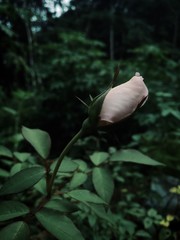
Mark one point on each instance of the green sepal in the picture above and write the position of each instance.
(94, 110)
(95, 106)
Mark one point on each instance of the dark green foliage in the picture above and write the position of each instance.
(22, 180)
(60, 226)
(12, 209)
(15, 231)
(83, 190)
(39, 139)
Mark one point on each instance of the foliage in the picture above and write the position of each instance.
(83, 189)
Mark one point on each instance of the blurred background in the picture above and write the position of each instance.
(53, 51)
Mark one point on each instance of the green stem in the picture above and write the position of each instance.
(60, 158)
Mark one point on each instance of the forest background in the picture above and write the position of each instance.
(52, 52)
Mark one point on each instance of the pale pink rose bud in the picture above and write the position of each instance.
(123, 100)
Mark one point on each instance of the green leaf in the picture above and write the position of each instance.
(12, 209)
(22, 180)
(170, 111)
(7, 162)
(130, 227)
(61, 205)
(85, 196)
(17, 168)
(15, 231)
(4, 173)
(99, 157)
(78, 179)
(175, 113)
(59, 226)
(142, 233)
(103, 183)
(137, 212)
(148, 222)
(6, 30)
(67, 165)
(82, 166)
(10, 110)
(99, 210)
(134, 156)
(41, 186)
(92, 219)
(39, 139)
(152, 212)
(22, 157)
(5, 152)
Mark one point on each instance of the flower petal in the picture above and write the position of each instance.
(122, 101)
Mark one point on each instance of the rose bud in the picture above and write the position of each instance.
(121, 101)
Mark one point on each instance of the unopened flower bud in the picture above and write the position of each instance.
(121, 101)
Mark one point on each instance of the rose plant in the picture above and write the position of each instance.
(60, 182)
